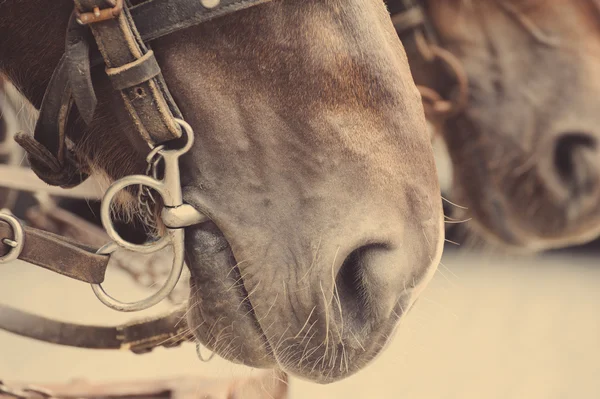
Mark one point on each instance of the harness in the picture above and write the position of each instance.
(117, 35)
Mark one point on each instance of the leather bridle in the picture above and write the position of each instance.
(122, 35)
(434, 68)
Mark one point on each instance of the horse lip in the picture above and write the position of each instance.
(252, 334)
(219, 305)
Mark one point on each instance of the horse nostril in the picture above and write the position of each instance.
(352, 294)
(569, 151)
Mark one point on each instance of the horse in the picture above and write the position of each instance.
(524, 147)
(311, 161)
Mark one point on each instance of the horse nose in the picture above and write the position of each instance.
(576, 160)
(370, 287)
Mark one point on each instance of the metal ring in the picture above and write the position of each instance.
(105, 207)
(189, 132)
(454, 68)
(18, 240)
(177, 240)
(153, 152)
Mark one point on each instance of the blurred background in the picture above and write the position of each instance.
(491, 324)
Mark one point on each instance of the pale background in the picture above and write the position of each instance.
(484, 328)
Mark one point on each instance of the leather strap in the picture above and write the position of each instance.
(438, 74)
(132, 68)
(135, 73)
(409, 16)
(147, 102)
(260, 384)
(143, 270)
(58, 254)
(47, 153)
(409, 19)
(139, 336)
(77, 51)
(46, 150)
(157, 18)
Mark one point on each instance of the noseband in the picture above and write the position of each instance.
(122, 35)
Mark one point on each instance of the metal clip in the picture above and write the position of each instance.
(169, 188)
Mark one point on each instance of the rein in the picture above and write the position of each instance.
(121, 35)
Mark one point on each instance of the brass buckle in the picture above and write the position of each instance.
(98, 15)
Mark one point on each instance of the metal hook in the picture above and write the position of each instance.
(169, 189)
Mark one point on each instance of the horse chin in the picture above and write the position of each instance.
(334, 361)
(500, 226)
(222, 318)
(220, 313)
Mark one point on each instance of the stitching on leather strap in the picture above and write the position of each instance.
(134, 73)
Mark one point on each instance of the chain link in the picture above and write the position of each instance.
(146, 200)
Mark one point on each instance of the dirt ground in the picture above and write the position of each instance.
(485, 328)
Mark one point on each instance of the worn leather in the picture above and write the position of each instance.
(46, 150)
(58, 254)
(139, 336)
(145, 94)
(120, 46)
(22, 178)
(135, 73)
(260, 384)
(157, 18)
(77, 51)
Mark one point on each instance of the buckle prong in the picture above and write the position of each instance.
(18, 239)
(9, 242)
(98, 15)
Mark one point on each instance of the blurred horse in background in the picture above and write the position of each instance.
(521, 77)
